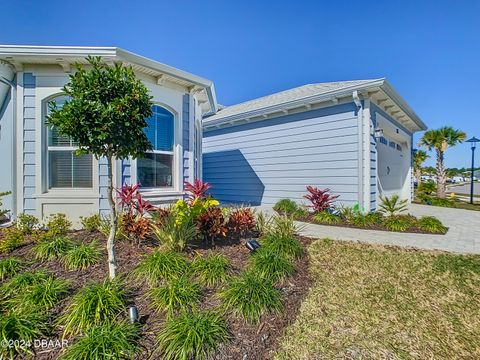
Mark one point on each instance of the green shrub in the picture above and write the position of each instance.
(173, 235)
(193, 335)
(286, 246)
(286, 207)
(284, 226)
(431, 224)
(52, 247)
(41, 295)
(26, 223)
(90, 223)
(110, 341)
(327, 218)
(269, 264)
(392, 205)
(263, 224)
(398, 222)
(22, 280)
(58, 224)
(160, 266)
(427, 187)
(177, 295)
(93, 305)
(367, 220)
(348, 213)
(12, 239)
(20, 328)
(211, 270)
(82, 256)
(442, 202)
(250, 296)
(9, 267)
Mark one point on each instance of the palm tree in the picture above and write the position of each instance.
(419, 158)
(439, 140)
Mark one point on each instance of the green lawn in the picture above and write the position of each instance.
(384, 303)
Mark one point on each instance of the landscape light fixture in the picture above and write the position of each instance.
(472, 141)
(133, 314)
(252, 245)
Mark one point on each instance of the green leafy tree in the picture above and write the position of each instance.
(419, 158)
(439, 140)
(105, 115)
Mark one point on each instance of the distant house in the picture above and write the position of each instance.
(354, 137)
(38, 164)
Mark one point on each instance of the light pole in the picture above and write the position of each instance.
(473, 141)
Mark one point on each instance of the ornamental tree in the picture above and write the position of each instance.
(440, 140)
(105, 115)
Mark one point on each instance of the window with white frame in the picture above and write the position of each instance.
(65, 169)
(155, 170)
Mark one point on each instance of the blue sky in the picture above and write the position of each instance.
(429, 50)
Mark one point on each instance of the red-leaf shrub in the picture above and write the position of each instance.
(135, 227)
(132, 201)
(211, 224)
(320, 199)
(241, 221)
(197, 190)
(159, 216)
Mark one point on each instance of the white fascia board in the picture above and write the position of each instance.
(55, 52)
(292, 104)
(402, 104)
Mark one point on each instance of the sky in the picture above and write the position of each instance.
(428, 50)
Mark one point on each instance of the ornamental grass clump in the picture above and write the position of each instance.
(250, 296)
(172, 235)
(52, 247)
(40, 295)
(19, 329)
(177, 295)
(22, 280)
(399, 222)
(110, 341)
(211, 270)
(192, 335)
(161, 266)
(286, 207)
(286, 246)
(9, 267)
(431, 224)
(327, 218)
(94, 305)
(271, 265)
(82, 256)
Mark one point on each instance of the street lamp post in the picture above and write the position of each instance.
(473, 141)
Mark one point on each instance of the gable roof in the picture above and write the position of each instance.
(66, 56)
(306, 95)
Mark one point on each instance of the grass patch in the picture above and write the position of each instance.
(9, 267)
(19, 329)
(161, 266)
(250, 296)
(271, 265)
(52, 247)
(112, 341)
(193, 335)
(374, 302)
(178, 295)
(93, 305)
(82, 256)
(211, 270)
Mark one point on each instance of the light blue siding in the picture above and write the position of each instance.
(262, 162)
(103, 206)
(6, 151)
(29, 175)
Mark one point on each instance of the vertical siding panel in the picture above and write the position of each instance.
(28, 148)
(186, 138)
(103, 206)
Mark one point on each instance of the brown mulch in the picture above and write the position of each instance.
(247, 342)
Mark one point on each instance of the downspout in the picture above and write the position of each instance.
(7, 76)
(359, 111)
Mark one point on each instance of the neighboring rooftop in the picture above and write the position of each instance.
(306, 95)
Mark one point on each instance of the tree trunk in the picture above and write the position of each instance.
(441, 175)
(112, 260)
(418, 175)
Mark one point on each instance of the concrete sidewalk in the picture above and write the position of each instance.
(463, 235)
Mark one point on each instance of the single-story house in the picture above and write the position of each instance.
(353, 137)
(38, 165)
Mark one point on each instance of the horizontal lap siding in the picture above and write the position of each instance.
(272, 159)
(29, 178)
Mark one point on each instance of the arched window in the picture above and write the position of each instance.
(155, 170)
(65, 169)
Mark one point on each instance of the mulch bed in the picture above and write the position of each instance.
(248, 341)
